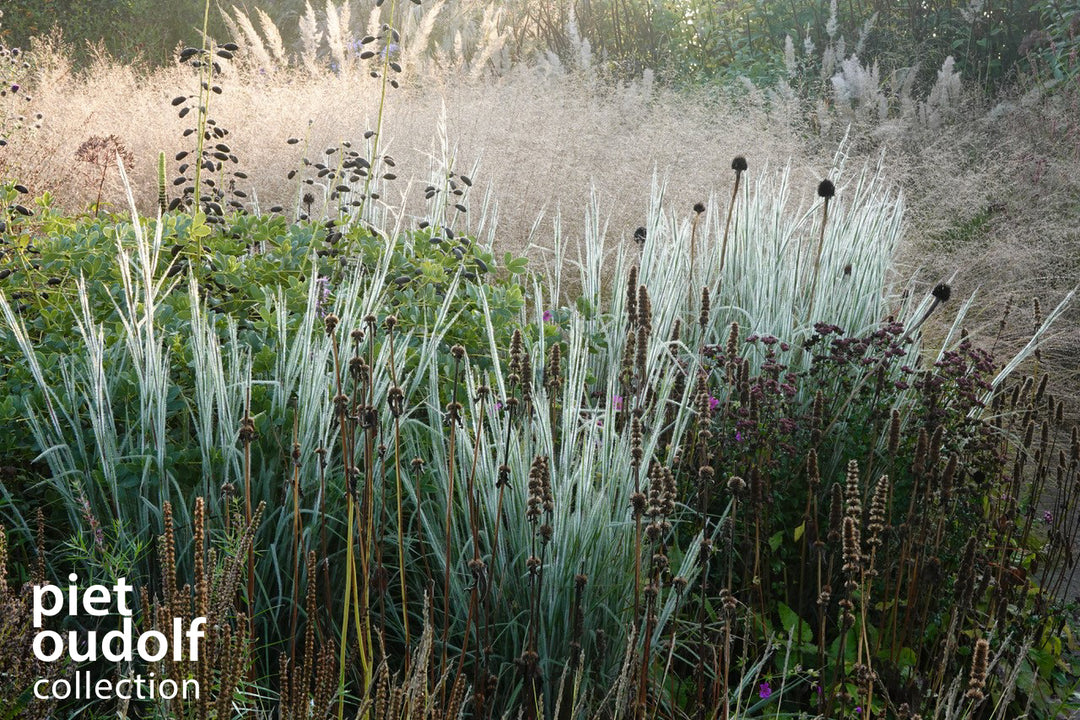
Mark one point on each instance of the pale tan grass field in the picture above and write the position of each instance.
(539, 144)
(992, 197)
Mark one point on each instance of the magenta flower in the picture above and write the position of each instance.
(738, 436)
(1048, 517)
(549, 316)
(764, 691)
(713, 403)
(617, 402)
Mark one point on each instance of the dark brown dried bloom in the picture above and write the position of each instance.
(813, 475)
(699, 207)
(331, 323)
(894, 434)
(941, 292)
(738, 164)
(103, 151)
(703, 318)
(826, 189)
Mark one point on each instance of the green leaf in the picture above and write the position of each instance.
(776, 540)
(800, 631)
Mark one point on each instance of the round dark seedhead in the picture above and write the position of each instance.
(826, 189)
(942, 292)
(639, 235)
(699, 207)
(738, 164)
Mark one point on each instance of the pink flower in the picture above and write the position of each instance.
(617, 402)
(713, 403)
(549, 316)
(764, 691)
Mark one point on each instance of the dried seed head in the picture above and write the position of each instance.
(738, 164)
(977, 679)
(736, 485)
(813, 474)
(703, 318)
(699, 207)
(852, 493)
(733, 341)
(331, 323)
(894, 434)
(632, 297)
(639, 235)
(644, 308)
(852, 551)
(836, 514)
(941, 292)
(826, 189)
(876, 522)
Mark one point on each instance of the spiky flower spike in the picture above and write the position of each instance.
(977, 679)
(826, 191)
(738, 164)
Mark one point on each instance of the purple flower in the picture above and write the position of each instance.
(764, 691)
(858, 710)
(1048, 517)
(617, 402)
(738, 436)
(713, 403)
(549, 316)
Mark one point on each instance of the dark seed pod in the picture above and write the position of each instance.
(826, 189)
(230, 46)
(224, 54)
(177, 100)
(738, 164)
(941, 292)
(293, 140)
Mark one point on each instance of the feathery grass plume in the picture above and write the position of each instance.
(826, 191)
